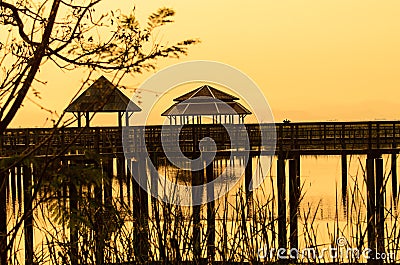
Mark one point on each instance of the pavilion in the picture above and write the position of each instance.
(206, 101)
(102, 96)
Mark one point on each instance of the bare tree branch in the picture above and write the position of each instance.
(35, 64)
(18, 21)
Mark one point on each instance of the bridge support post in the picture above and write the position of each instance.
(3, 215)
(248, 189)
(210, 214)
(197, 179)
(153, 167)
(73, 229)
(129, 180)
(371, 206)
(281, 183)
(136, 189)
(294, 200)
(344, 179)
(380, 206)
(121, 176)
(394, 176)
(108, 168)
(100, 227)
(140, 208)
(28, 222)
(19, 183)
(13, 186)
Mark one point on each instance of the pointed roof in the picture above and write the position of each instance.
(102, 96)
(206, 91)
(206, 100)
(206, 108)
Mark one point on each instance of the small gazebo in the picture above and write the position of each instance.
(206, 101)
(102, 96)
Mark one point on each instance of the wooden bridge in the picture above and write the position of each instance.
(309, 138)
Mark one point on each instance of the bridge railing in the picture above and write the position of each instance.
(339, 136)
(316, 136)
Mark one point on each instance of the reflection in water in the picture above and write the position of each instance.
(323, 214)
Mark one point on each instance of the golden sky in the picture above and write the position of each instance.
(314, 60)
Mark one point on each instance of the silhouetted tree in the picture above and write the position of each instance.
(71, 34)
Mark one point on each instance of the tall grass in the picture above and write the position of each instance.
(243, 226)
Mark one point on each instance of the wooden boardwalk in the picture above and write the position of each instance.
(311, 138)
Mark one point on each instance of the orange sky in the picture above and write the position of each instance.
(314, 60)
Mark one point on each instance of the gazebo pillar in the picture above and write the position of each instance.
(120, 119)
(79, 119)
(126, 118)
(87, 119)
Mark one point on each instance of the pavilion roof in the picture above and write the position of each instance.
(206, 91)
(206, 100)
(102, 96)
